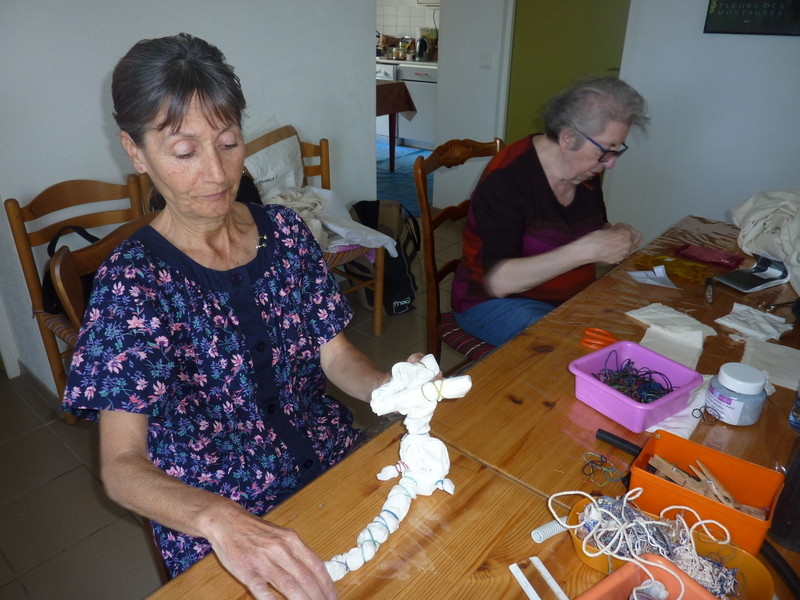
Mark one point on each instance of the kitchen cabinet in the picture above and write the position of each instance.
(420, 79)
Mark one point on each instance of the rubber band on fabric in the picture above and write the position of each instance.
(437, 385)
(616, 528)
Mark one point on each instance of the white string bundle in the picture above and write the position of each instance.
(613, 527)
(424, 462)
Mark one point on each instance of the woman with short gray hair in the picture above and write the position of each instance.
(537, 221)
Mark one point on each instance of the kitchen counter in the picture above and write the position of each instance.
(416, 63)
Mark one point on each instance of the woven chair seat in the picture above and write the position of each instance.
(61, 327)
(461, 341)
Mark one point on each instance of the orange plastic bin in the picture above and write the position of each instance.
(749, 484)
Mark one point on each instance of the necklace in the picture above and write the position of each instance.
(263, 241)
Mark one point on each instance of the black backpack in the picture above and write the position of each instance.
(399, 283)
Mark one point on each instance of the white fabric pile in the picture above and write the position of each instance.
(753, 323)
(330, 222)
(424, 462)
(769, 224)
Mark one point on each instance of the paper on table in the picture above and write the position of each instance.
(781, 362)
(684, 347)
(658, 276)
(670, 319)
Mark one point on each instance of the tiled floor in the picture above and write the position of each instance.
(60, 536)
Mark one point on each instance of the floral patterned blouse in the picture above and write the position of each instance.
(226, 364)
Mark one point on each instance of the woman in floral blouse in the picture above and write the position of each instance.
(209, 335)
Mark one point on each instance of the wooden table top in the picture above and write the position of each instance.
(524, 393)
(392, 97)
(455, 546)
(518, 436)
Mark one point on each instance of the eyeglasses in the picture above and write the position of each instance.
(607, 154)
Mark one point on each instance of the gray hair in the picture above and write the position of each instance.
(591, 104)
(171, 72)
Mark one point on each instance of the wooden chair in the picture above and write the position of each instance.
(68, 266)
(316, 163)
(35, 224)
(442, 326)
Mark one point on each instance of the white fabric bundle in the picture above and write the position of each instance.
(424, 461)
(769, 224)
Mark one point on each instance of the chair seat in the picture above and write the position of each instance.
(61, 326)
(348, 254)
(461, 341)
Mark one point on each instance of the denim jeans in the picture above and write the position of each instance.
(498, 320)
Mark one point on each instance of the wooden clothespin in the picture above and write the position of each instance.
(673, 473)
(718, 490)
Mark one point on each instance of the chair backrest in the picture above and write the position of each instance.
(28, 234)
(316, 157)
(68, 266)
(448, 155)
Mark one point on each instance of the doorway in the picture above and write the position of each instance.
(554, 44)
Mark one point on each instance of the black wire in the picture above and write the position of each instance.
(782, 567)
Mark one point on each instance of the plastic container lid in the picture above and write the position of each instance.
(741, 378)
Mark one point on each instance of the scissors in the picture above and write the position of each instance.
(596, 338)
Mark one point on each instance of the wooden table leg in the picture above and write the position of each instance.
(392, 136)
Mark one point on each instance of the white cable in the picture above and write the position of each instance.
(548, 530)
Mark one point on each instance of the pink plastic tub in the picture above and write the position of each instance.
(617, 406)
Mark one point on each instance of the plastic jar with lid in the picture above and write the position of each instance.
(736, 394)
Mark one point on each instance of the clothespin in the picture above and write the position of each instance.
(719, 491)
(673, 473)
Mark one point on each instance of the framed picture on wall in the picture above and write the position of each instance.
(746, 16)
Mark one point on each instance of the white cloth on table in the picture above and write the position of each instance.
(684, 422)
(669, 319)
(781, 362)
(684, 347)
(754, 323)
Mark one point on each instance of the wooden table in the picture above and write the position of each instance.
(518, 437)
(392, 97)
(524, 394)
(455, 546)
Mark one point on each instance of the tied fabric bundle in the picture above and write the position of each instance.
(424, 462)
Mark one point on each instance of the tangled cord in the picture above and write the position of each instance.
(639, 384)
(599, 470)
(615, 528)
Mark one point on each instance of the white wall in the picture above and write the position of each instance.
(725, 118)
(308, 62)
(474, 46)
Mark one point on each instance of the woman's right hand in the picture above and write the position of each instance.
(264, 556)
(257, 553)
